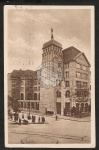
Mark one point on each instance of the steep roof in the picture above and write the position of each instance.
(69, 54)
(52, 42)
(23, 73)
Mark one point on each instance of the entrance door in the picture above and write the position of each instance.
(67, 108)
(58, 105)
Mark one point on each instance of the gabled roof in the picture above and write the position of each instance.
(69, 54)
(84, 57)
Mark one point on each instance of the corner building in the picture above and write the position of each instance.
(73, 91)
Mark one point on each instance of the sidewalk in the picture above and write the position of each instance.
(84, 119)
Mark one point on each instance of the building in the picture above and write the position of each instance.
(72, 92)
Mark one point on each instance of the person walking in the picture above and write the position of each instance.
(32, 119)
(39, 119)
(56, 117)
(19, 121)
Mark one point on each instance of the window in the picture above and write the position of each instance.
(39, 96)
(67, 83)
(35, 82)
(67, 66)
(13, 81)
(59, 64)
(85, 84)
(21, 104)
(78, 74)
(29, 89)
(78, 84)
(22, 96)
(29, 96)
(22, 82)
(67, 94)
(35, 96)
(35, 88)
(67, 74)
(22, 88)
(78, 65)
(58, 93)
(28, 82)
(84, 76)
(39, 88)
(32, 105)
(13, 85)
(78, 93)
(84, 67)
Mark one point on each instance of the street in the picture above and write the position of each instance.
(61, 131)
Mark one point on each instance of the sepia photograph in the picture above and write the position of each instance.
(49, 76)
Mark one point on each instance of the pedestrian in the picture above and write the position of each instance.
(19, 121)
(32, 118)
(22, 116)
(43, 119)
(38, 119)
(56, 117)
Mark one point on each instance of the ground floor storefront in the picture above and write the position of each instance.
(66, 109)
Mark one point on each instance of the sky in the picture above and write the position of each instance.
(29, 29)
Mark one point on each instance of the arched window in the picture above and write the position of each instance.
(58, 93)
(35, 96)
(67, 94)
(39, 96)
(22, 96)
(67, 83)
(29, 96)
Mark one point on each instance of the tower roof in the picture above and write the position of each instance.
(52, 42)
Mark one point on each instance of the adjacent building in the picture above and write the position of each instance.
(72, 91)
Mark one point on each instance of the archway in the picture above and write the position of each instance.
(58, 105)
(35, 96)
(22, 96)
(82, 107)
(67, 94)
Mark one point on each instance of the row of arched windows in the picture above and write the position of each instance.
(30, 97)
(67, 93)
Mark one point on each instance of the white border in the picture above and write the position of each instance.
(93, 134)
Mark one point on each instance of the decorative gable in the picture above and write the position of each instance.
(82, 59)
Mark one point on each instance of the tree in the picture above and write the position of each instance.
(13, 104)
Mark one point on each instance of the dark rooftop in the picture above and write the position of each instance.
(70, 53)
(23, 73)
(52, 42)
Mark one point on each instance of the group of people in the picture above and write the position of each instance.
(26, 118)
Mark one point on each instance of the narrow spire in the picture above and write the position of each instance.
(52, 37)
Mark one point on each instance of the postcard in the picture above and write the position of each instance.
(49, 76)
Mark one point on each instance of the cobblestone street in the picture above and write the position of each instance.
(62, 131)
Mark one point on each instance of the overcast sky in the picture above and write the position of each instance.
(28, 30)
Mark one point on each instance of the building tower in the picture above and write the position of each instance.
(52, 52)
